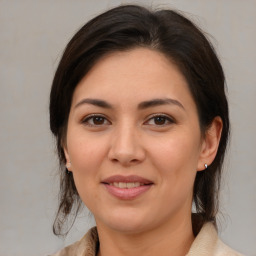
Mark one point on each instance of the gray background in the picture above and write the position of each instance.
(32, 37)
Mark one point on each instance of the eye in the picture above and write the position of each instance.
(95, 120)
(160, 120)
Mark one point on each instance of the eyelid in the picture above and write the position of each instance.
(85, 120)
(88, 117)
(168, 118)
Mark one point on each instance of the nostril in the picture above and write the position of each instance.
(125, 161)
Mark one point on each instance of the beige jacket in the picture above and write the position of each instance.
(206, 243)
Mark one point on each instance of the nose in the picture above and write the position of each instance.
(126, 146)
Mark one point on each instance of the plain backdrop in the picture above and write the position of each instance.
(33, 34)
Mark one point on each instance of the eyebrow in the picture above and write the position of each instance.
(159, 102)
(95, 102)
(142, 105)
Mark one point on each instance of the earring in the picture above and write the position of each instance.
(68, 165)
(206, 166)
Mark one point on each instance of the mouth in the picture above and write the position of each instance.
(127, 187)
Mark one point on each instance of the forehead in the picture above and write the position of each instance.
(135, 74)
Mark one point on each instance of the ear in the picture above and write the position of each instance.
(68, 162)
(210, 143)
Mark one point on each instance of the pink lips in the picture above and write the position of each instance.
(138, 187)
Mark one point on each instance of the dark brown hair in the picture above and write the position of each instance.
(167, 31)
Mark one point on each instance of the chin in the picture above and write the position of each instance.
(127, 221)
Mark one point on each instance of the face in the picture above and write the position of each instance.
(134, 142)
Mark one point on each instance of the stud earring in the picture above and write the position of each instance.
(68, 165)
(206, 166)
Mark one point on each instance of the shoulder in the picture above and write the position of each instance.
(223, 250)
(87, 246)
(208, 243)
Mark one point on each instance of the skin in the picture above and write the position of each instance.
(129, 140)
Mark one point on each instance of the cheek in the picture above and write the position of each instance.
(86, 155)
(177, 151)
(176, 158)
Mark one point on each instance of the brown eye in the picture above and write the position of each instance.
(95, 120)
(98, 120)
(160, 120)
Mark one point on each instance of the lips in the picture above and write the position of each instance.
(127, 179)
(127, 187)
(126, 184)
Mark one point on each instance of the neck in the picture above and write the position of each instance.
(164, 240)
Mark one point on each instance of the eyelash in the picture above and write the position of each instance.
(165, 117)
(93, 117)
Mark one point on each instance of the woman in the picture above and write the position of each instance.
(139, 112)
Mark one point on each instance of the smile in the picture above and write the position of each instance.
(126, 187)
(126, 184)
